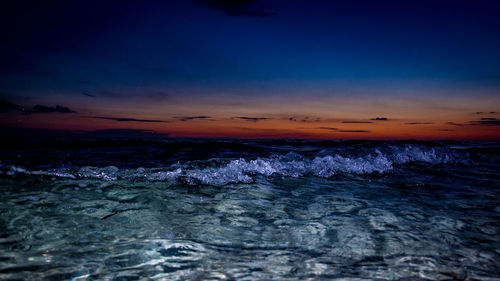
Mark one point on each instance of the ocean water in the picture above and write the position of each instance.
(180, 209)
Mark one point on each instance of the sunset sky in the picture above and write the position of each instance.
(254, 69)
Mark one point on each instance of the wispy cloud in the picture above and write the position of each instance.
(251, 119)
(125, 119)
(6, 106)
(455, 124)
(342, 131)
(486, 122)
(481, 112)
(50, 109)
(328, 128)
(356, 122)
(88, 95)
(354, 131)
(305, 119)
(189, 118)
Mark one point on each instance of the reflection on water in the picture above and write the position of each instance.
(422, 221)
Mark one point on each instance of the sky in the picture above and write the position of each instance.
(254, 69)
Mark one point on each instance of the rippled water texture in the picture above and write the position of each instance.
(110, 209)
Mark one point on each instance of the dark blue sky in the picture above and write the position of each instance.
(91, 54)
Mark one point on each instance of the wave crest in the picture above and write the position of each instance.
(380, 160)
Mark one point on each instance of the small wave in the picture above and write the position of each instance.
(380, 160)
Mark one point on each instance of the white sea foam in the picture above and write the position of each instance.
(289, 165)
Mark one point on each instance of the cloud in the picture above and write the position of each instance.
(356, 122)
(342, 131)
(125, 119)
(6, 106)
(251, 119)
(235, 8)
(419, 123)
(88, 95)
(189, 118)
(50, 109)
(486, 122)
(379, 119)
(481, 112)
(455, 124)
(139, 96)
(305, 119)
(354, 131)
(328, 128)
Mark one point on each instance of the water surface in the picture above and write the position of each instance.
(174, 209)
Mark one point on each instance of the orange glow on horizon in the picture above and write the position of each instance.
(274, 127)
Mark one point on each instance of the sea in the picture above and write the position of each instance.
(119, 208)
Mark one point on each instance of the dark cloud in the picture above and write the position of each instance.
(125, 119)
(88, 95)
(379, 119)
(354, 131)
(50, 109)
(6, 106)
(328, 128)
(486, 122)
(235, 8)
(251, 119)
(481, 112)
(419, 123)
(455, 124)
(356, 122)
(446, 130)
(305, 119)
(140, 96)
(189, 118)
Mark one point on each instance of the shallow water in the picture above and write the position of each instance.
(114, 209)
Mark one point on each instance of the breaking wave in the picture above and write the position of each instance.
(221, 171)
